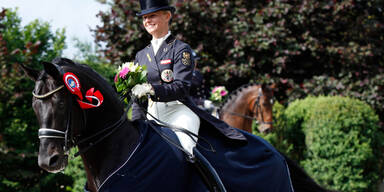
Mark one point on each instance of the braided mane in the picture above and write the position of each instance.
(234, 94)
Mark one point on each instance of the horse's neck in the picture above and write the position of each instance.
(239, 104)
(105, 157)
(234, 109)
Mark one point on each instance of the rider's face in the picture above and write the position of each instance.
(156, 23)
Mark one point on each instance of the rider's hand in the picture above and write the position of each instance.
(142, 89)
(208, 104)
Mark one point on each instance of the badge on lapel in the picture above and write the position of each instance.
(186, 60)
(167, 75)
(149, 58)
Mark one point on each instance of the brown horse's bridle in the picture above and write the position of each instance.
(255, 110)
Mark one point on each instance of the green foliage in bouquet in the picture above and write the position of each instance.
(129, 74)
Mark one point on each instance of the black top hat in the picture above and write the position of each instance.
(150, 6)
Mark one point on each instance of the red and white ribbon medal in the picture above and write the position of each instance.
(73, 84)
(91, 96)
(95, 98)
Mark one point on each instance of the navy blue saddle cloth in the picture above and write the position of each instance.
(156, 165)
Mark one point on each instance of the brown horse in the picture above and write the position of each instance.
(247, 103)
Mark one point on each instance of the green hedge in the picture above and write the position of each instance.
(339, 141)
(295, 114)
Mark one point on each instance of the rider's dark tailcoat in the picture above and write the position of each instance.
(170, 74)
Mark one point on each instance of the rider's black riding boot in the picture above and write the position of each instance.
(207, 172)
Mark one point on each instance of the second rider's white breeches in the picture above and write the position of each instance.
(179, 115)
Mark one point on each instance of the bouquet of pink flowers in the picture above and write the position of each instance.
(128, 75)
(218, 93)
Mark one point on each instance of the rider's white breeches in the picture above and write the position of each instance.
(179, 115)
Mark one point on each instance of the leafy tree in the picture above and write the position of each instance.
(29, 45)
(292, 43)
(87, 54)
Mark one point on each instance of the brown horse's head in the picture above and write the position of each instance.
(261, 108)
(249, 102)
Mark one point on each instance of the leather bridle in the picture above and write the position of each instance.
(46, 132)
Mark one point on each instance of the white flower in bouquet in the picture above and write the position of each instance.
(128, 75)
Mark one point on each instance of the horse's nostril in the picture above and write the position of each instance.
(53, 160)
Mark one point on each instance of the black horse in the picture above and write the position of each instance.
(75, 106)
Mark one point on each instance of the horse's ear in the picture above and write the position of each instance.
(31, 73)
(53, 70)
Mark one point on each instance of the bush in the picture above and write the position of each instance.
(342, 141)
(295, 114)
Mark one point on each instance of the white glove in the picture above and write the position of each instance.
(208, 104)
(142, 90)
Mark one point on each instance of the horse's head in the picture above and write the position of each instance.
(50, 106)
(261, 107)
(247, 103)
(60, 103)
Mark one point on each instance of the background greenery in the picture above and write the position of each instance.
(29, 45)
(335, 139)
(306, 47)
